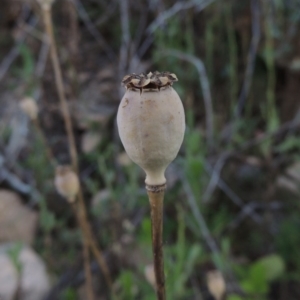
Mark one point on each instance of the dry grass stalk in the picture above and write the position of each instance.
(88, 237)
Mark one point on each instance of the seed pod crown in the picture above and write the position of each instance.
(150, 81)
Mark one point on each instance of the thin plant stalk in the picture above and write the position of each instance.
(156, 199)
(48, 150)
(95, 249)
(102, 263)
(46, 10)
(88, 239)
(87, 271)
(86, 256)
(233, 62)
(270, 110)
(59, 85)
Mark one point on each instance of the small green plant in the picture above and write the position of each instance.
(14, 253)
(69, 294)
(181, 260)
(256, 278)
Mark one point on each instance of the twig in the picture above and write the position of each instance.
(201, 222)
(294, 124)
(255, 10)
(177, 7)
(233, 57)
(215, 176)
(102, 264)
(86, 254)
(14, 52)
(60, 88)
(228, 130)
(124, 49)
(216, 180)
(247, 210)
(271, 114)
(92, 29)
(17, 140)
(33, 32)
(145, 46)
(231, 194)
(107, 14)
(208, 105)
(12, 179)
(74, 276)
(134, 62)
(42, 59)
(165, 15)
(251, 207)
(141, 27)
(48, 150)
(219, 263)
(73, 39)
(282, 129)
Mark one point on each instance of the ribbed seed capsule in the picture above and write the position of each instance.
(151, 122)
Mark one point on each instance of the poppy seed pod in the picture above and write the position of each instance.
(151, 123)
(66, 182)
(29, 107)
(216, 284)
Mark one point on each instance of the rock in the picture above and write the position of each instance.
(8, 278)
(124, 160)
(17, 222)
(90, 141)
(295, 64)
(34, 279)
(294, 171)
(22, 271)
(290, 181)
(150, 275)
(99, 198)
(287, 184)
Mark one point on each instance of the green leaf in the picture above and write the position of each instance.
(69, 294)
(145, 232)
(257, 278)
(194, 167)
(273, 266)
(126, 281)
(290, 143)
(47, 218)
(193, 255)
(14, 253)
(193, 142)
(234, 297)
(28, 62)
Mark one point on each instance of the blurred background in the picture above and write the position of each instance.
(232, 207)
